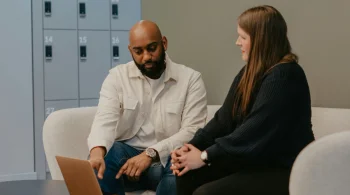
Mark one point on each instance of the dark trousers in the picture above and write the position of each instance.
(224, 179)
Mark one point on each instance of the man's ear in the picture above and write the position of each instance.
(165, 43)
(129, 47)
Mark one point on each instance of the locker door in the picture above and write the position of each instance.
(60, 14)
(93, 14)
(125, 13)
(88, 102)
(60, 64)
(120, 51)
(52, 106)
(94, 62)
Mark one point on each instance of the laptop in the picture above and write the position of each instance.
(79, 176)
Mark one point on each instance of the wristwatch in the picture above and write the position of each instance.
(151, 153)
(204, 157)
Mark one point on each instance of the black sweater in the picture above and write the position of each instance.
(277, 127)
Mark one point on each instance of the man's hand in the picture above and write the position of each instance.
(188, 161)
(96, 160)
(135, 166)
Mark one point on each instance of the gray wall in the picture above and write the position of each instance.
(16, 105)
(202, 35)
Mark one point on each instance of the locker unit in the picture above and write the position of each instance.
(120, 51)
(124, 13)
(94, 62)
(93, 14)
(60, 64)
(88, 102)
(59, 14)
(75, 44)
(52, 106)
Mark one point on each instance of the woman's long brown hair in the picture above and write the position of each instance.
(269, 46)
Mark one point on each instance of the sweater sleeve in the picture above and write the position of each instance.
(271, 110)
(206, 136)
(218, 125)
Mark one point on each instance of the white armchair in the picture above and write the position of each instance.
(65, 133)
(322, 168)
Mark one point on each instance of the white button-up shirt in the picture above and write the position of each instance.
(146, 135)
(179, 107)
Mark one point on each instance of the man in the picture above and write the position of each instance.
(147, 108)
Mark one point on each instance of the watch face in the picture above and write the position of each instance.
(150, 152)
(204, 156)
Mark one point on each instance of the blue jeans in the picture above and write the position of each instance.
(156, 177)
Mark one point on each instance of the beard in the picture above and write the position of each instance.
(157, 69)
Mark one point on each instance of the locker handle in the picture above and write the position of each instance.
(115, 52)
(48, 52)
(47, 8)
(83, 52)
(82, 10)
(115, 11)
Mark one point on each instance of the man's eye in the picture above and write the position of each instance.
(138, 52)
(152, 48)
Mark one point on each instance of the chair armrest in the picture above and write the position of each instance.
(322, 167)
(65, 133)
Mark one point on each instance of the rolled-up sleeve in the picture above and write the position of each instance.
(103, 130)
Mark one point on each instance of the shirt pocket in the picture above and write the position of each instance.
(129, 113)
(173, 116)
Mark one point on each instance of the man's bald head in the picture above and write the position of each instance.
(147, 47)
(144, 29)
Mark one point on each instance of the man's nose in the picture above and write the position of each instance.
(146, 57)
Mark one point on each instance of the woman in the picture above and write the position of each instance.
(250, 145)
